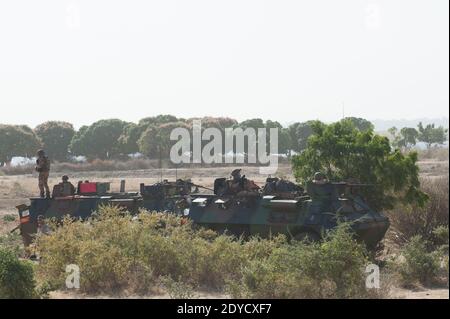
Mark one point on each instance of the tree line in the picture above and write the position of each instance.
(114, 138)
(407, 137)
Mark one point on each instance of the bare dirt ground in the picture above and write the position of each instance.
(401, 293)
(15, 190)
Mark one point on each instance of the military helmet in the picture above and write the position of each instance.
(236, 172)
(40, 152)
(319, 176)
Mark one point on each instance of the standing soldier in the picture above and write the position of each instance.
(43, 168)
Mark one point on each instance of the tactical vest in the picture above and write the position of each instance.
(44, 164)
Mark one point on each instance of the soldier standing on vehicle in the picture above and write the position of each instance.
(43, 168)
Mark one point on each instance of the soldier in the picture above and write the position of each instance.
(43, 167)
(240, 183)
(320, 178)
(319, 188)
(236, 175)
(236, 182)
(42, 227)
(67, 187)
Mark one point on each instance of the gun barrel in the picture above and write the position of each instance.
(15, 228)
(200, 186)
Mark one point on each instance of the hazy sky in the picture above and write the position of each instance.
(80, 61)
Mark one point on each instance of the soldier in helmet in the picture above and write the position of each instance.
(67, 188)
(236, 181)
(320, 178)
(43, 168)
(236, 175)
(320, 188)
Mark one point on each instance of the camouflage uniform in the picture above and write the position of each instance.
(43, 167)
(236, 183)
(321, 192)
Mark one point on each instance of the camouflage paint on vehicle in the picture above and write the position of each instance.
(246, 213)
(297, 218)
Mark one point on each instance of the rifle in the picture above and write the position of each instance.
(14, 229)
(199, 186)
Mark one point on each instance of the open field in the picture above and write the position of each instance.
(16, 189)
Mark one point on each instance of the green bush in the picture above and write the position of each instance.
(16, 277)
(441, 235)
(12, 242)
(419, 264)
(9, 218)
(116, 251)
(177, 289)
(331, 269)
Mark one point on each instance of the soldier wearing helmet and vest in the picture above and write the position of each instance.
(43, 168)
(65, 188)
(236, 181)
(320, 178)
(320, 188)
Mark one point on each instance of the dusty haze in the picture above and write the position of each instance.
(282, 60)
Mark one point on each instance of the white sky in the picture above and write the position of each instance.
(80, 61)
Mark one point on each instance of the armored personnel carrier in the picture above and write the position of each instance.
(306, 215)
(276, 209)
(89, 196)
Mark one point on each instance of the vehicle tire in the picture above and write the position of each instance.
(307, 237)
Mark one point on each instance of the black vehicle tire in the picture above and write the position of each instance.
(307, 236)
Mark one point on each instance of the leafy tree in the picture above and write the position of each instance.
(128, 140)
(55, 137)
(221, 123)
(158, 120)
(17, 140)
(300, 132)
(77, 145)
(395, 137)
(292, 130)
(409, 137)
(284, 141)
(361, 124)
(345, 153)
(284, 138)
(252, 123)
(405, 138)
(431, 134)
(155, 141)
(218, 122)
(99, 140)
(131, 134)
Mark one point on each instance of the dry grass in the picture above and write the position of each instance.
(434, 153)
(98, 165)
(95, 165)
(16, 189)
(116, 252)
(410, 220)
